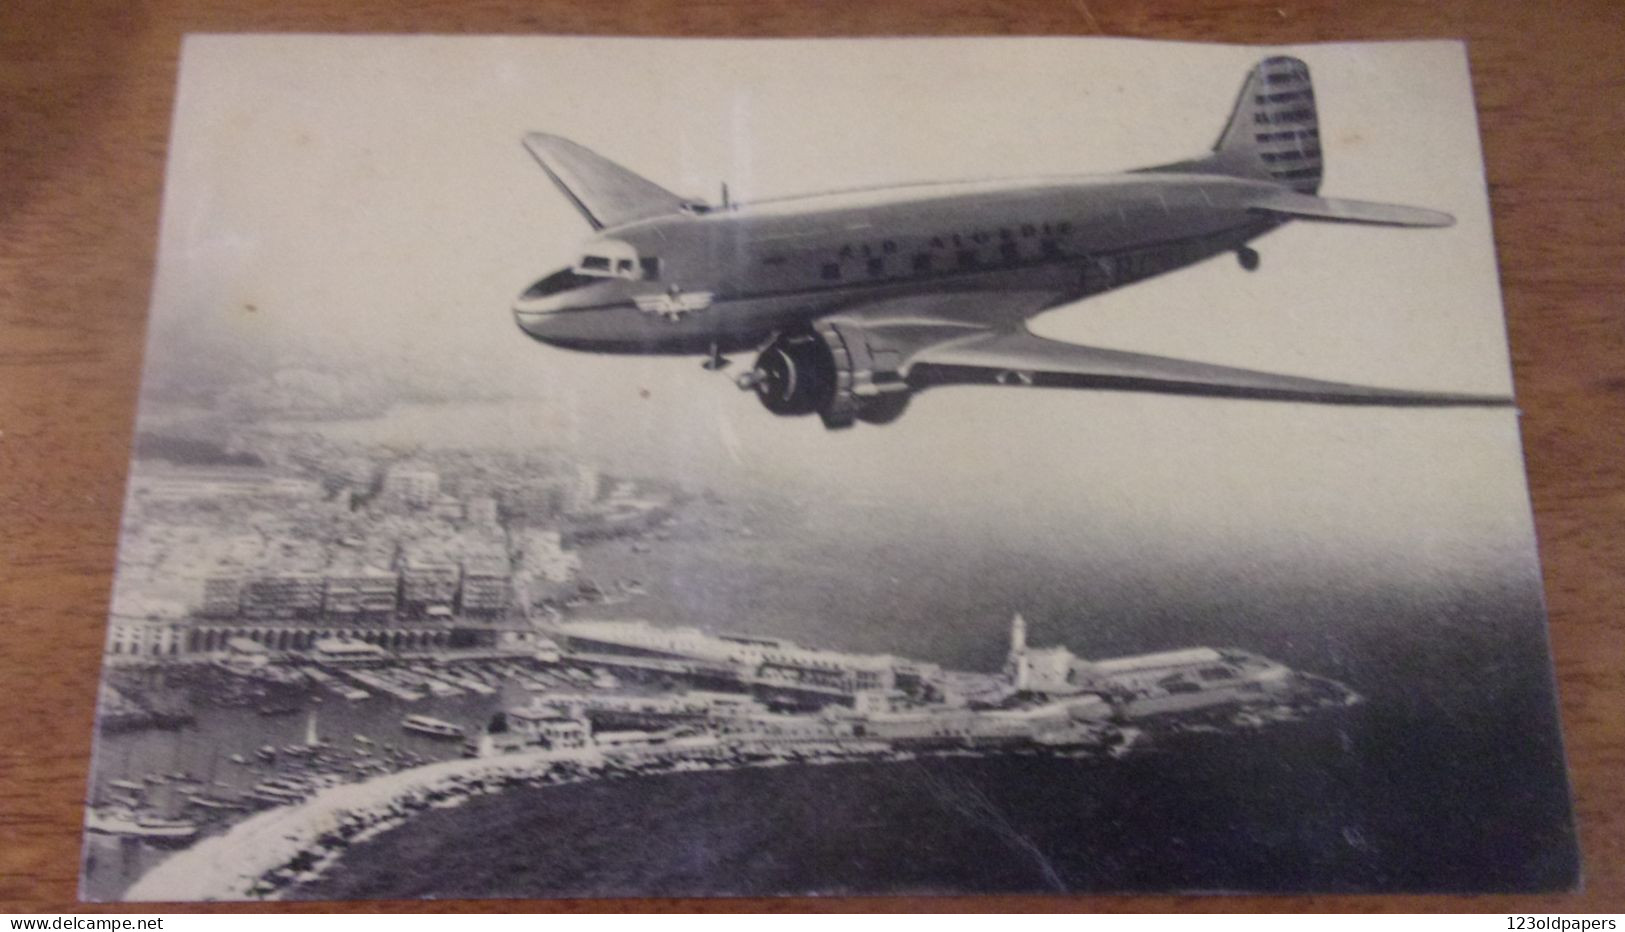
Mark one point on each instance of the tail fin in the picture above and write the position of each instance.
(1273, 133)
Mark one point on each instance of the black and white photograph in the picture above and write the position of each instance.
(588, 467)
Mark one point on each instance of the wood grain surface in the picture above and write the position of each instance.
(85, 97)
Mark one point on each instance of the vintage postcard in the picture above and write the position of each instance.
(602, 467)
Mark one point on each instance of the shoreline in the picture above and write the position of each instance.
(273, 853)
(300, 842)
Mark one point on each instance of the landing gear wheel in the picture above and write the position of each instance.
(1248, 258)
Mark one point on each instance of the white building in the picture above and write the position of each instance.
(413, 485)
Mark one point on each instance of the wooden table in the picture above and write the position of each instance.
(87, 94)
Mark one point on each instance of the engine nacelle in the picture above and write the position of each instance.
(822, 370)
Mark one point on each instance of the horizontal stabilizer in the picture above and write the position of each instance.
(1310, 207)
(1020, 357)
(605, 193)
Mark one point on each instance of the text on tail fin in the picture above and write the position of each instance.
(1274, 132)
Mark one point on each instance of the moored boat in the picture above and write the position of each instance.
(433, 727)
(136, 825)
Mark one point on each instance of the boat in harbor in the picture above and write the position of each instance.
(215, 803)
(131, 824)
(433, 727)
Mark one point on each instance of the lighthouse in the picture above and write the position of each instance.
(1016, 666)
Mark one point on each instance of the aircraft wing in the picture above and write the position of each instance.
(1300, 206)
(1020, 357)
(605, 193)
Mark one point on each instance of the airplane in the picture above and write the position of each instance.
(853, 301)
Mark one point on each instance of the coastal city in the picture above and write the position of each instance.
(332, 636)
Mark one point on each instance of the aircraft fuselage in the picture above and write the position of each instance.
(727, 278)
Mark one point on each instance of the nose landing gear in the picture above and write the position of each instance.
(1248, 258)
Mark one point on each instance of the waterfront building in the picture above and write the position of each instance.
(768, 662)
(361, 591)
(1047, 670)
(283, 595)
(486, 586)
(144, 637)
(347, 653)
(427, 583)
(529, 726)
(222, 596)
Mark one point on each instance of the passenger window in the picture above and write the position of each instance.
(877, 267)
(966, 258)
(922, 262)
(1010, 253)
(651, 268)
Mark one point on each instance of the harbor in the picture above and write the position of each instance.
(618, 699)
(231, 761)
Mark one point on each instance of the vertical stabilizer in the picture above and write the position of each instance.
(1273, 133)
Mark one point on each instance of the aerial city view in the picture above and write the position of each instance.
(297, 617)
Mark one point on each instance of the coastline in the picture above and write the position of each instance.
(276, 852)
(264, 856)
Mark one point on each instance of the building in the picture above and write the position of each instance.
(337, 651)
(412, 485)
(537, 725)
(284, 595)
(428, 582)
(143, 637)
(486, 586)
(222, 596)
(361, 591)
(1052, 670)
(825, 671)
(768, 662)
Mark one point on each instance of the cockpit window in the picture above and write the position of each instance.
(612, 258)
(560, 281)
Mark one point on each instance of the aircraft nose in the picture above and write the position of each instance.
(539, 324)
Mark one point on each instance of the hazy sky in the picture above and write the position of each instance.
(369, 197)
